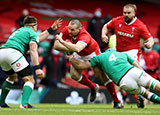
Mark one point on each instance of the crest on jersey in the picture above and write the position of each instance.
(133, 28)
(120, 25)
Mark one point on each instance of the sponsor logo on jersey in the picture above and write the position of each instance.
(18, 64)
(125, 34)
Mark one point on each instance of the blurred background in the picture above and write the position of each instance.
(58, 85)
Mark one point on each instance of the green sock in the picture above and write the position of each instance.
(155, 98)
(27, 90)
(6, 86)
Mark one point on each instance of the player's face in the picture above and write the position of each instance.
(128, 14)
(35, 26)
(73, 30)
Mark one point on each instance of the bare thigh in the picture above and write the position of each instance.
(75, 73)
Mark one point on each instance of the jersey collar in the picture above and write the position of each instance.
(132, 21)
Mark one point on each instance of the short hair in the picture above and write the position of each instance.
(77, 22)
(29, 20)
(132, 6)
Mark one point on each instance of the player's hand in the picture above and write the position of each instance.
(69, 57)
(105, 38)
(147, 45)
(39, 73)
(59, 38)
(57, 24)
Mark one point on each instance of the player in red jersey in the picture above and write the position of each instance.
(128, 29)
(84, 48)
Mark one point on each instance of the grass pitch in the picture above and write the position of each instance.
(84, 109)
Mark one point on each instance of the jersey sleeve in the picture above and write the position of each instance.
(84, 38)
(145, 34)
(110, 24)
(34, 37)
(130, 60)
(93, 61)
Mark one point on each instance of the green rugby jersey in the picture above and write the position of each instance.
(21, 38)
(114, 64)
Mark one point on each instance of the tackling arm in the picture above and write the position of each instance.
(44, 35)
(79, 64)
(135, 63)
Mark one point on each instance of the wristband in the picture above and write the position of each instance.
(36, 67)
(51, 31)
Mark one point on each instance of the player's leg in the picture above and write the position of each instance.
(77, 76)
(8, 83)
(109, 85)
(6, 86)
(28, 86)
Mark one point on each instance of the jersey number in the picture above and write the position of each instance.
(112, 57)
(13, 34)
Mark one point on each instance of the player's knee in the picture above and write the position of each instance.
(29, 79)
(12, 77)
(157, 87)
(74, 76)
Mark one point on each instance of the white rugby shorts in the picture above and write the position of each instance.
(12, 58)
(134, 81)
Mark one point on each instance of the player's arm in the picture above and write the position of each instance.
(60, 47)
(149, 43)
(44, 35)
(79, 46)
(79, 64)
(104, 34)
(133, 62)
(34, 58)
(146, 35)
(136, 64)
(33, 53)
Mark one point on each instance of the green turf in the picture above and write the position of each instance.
(85, 109)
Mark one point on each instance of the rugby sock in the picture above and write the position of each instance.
(6, 86)
(111, 88)
(27, 90)
(135, 96)
(124, 94)
(85, 81)
(154, 98)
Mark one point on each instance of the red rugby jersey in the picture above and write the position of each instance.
(83, 36)
(128, 35)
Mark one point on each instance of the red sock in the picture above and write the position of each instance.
(111, 88)
(86, 81)
(135, 97)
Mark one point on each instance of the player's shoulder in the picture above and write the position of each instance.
(139, 22)
(118, 18)
(83, 31)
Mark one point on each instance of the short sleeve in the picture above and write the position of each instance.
(34, 37)
(110, 24)
(145, 34)
(130, 60)
(93, 61)
(84, 38)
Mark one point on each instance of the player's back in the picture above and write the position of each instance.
(114, 64)
(20, 39)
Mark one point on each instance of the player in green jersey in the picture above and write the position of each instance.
(124, 71)
(13, 62)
